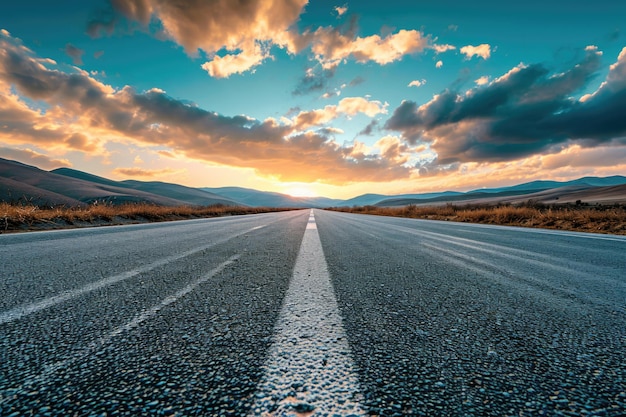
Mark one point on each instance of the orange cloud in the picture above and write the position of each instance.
(417, 83)
(341, 10)
(439, 49)
(237, 27)
(224, 66)
(393, 148)
(28, 156)
(82, 142)
(331, 46)
(80, 105)
(482, 50)
(349, 106)
(141, 172)
(353, 105)
(237, 36)
(482, 80)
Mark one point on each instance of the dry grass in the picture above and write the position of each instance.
(579, 217)
(31, 217)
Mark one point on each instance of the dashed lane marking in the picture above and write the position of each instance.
(30, 308)
(53, 368)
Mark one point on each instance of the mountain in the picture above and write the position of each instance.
(193, 196)
(373, 199)
(590, 189)
(256, 198)
(179, 193)
(24, 183)
(12, 189)
(69, 172)
(547, 185)
(65, 186)
(21, 182)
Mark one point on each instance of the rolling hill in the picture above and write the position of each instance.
(24, 183)
(64, 186)
(590, 189)
(256, 198)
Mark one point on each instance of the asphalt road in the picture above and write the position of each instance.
(212, 317)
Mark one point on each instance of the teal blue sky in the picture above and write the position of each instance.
(436, 94)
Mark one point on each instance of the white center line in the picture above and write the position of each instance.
(27, 309)
(309, 370)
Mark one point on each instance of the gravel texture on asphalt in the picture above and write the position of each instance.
(463, 320)
(440, 318)
(200, 355)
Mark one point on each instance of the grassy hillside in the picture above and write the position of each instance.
(18, 217)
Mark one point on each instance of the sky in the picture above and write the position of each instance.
(332, 98)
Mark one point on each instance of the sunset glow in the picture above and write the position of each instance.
(300, 191)
(315, 98)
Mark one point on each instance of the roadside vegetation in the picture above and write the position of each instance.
(575, 217)
(23, 217)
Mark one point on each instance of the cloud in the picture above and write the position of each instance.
(238, 36)
(482, 80)
(417, 83)
(244, 30)
(225, 66)
(341, 10)
(482, 50)
(369, 129)
(331, 94)
(75, 53)
(353, 105)
(439, 49)
(28, 156)
(81, 142)
(577, 157)
(525, 112)
(142, 172)
(356, 81)
(331, 46)
(81, 111)
(394, 149)
(349, 106)
(314, 79)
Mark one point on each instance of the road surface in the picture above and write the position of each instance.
(312, 313)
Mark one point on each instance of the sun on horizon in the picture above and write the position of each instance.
(301, 191)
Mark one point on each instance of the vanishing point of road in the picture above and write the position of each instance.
(312, 313)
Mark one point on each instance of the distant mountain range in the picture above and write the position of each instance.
(64, 186)
(256, 198)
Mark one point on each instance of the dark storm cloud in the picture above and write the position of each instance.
(369, 129)
(525, 112)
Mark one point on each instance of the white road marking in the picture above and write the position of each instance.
(311, 223)
(309, 370)
(136, 321)
(171, 299)
(27, 309)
